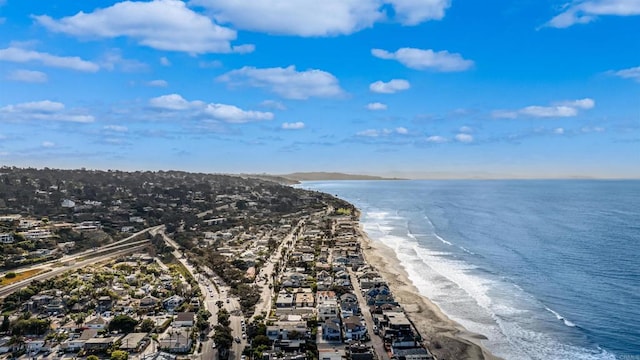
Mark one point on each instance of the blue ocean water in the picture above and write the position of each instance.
(544, 269)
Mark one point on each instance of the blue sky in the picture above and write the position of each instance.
(522, 88)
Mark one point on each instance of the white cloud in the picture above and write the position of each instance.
(44, 110)
(159, 24)
(465, 129)
(631, 73)
(173, 102)
(158, 83)
(586, 11)
(19, 55)
(286, 82)
(243, 49)
(164, 61)
(214, 64)
(113, 60)
(589, 129)
(28, 76)
(293, 126)
(560, 109)
(300, 17)
(558, 131)
(200, 109)
(233, 114)
(116, 128)
(369, 133)
(376, 106)
(48, 144)
(420, 59)
(273, 104)
(585, 103)
(464, 138)
(320, 18)
(383, 132)
(413, 12)
(549, 111)
(437, 139)
(44, 106)
(390, 87)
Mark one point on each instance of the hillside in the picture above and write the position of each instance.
(315, 176)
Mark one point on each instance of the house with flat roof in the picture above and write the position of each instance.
(6, 238)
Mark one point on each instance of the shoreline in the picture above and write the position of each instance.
(445, 338)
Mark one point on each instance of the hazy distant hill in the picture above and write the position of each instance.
(313, 176)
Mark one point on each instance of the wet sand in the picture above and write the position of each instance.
(445, 338)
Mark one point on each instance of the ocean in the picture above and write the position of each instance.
(546, 269)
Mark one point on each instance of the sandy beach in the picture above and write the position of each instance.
(445, 338)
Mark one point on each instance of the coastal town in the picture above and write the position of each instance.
(115, 265)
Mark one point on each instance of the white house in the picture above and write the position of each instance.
(184, 319)
(172, 302)
(66, 203)
(284, 300)
(327, 310)
(6, 238)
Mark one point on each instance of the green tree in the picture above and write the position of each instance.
(123, 323)
(147, 325)
(92, 357)
(119, 355)
(6, 324)
(261, 340)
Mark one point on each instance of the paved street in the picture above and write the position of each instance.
(376, 341)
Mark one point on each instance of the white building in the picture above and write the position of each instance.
(6, 238)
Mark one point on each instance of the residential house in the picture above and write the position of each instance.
(358, 351)
(5, 343)
(328, 309)
(284, 300)
(148, 303)
(35, 346)
(134, 342)
(172, 302)
(322, 296)
(417, 353)
(104, 304)
(6, 238)
(304, 299)
(75, 344)
(331, 331)
(184, 319)
(99, 344)
(97, 323)
(349, 309)
(176, 341)
(55, 306)
(287, 330)
(354, 329)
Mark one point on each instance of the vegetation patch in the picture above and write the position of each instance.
(12, 277)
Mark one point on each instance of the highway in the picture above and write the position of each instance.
(73, 257)
(55, 271)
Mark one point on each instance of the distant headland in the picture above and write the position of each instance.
(297, 177)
